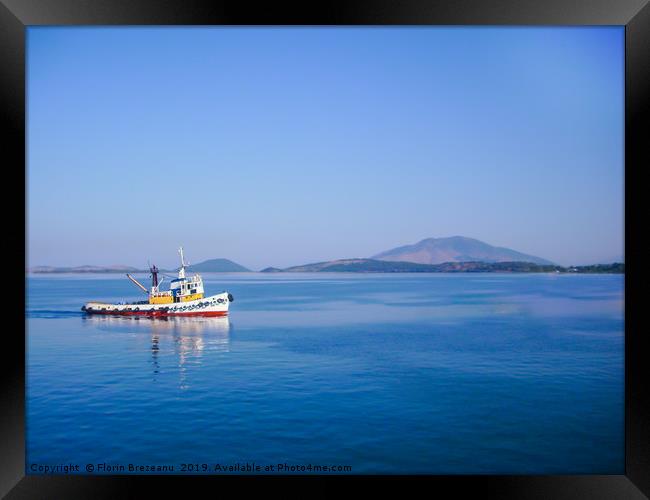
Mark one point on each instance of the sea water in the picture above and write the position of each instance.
(363, 373)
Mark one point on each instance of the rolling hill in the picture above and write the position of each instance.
(218, 266)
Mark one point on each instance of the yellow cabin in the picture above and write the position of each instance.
(161, 298)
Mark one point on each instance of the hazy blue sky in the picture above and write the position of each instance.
(282, 146)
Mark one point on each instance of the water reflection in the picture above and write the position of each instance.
(187, 338)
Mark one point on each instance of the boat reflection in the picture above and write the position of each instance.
(188, 338)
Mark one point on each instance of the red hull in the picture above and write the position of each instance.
(159, 313)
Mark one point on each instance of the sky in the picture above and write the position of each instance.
(285, 146)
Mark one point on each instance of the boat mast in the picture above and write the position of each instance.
(154, 278)
(181, 272)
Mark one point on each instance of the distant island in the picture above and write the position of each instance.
(455, 254)
(86, 269)
(207, 266)
(378, 266)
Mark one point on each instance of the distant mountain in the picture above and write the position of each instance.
(455, 249)
(380, 266)
(218, 266)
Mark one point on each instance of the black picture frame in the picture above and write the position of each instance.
(16, 15)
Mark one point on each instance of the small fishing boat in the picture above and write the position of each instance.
(185, 297)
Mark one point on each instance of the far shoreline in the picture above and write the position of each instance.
(348, 273)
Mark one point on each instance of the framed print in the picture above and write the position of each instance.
(360, 240)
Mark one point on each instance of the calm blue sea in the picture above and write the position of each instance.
(407, 373)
